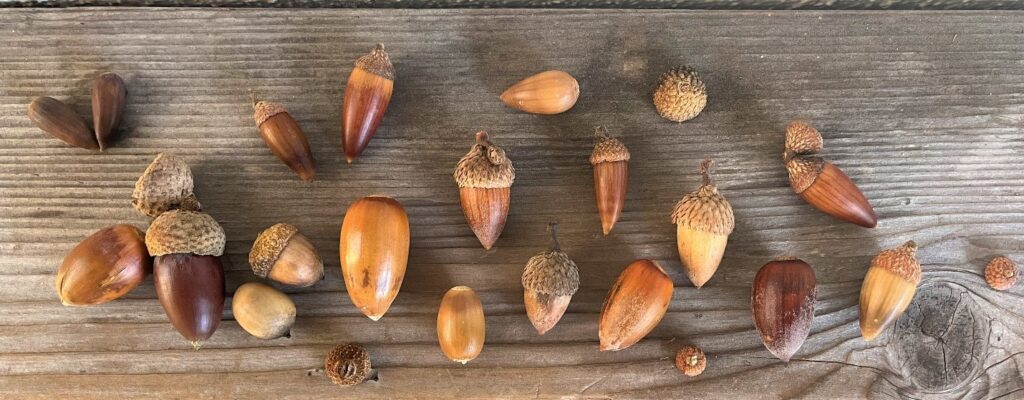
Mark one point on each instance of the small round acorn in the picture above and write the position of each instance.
(165, 185)
(690, 360)
(1001, 273)
(681, 95)
(347, 364)
(286, 256)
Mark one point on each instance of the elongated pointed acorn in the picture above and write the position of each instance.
(782, 303)
(703, 221)
(367, 95)
(108, 100)
(549, 281)
(461, 327)
(635, 305)
(283, 255)
(548, 93)
(284, 137)
(610, 159)
(105, 266)
(374, 249)
(263, 311)
(820, 183)
(888, 288)
(61, 121)
(680, 95)
(485, 176)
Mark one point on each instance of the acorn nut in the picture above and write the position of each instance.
(460, 324)
(782, 303)
(367, 95)
(105, 266)
(635, 305)
(108, 100)
(347, 365)
(485, 176)
(263, 311)
(888, 288)
(704, 221)
(610, 159)
(547, 93)
(374, 250)
(165, 185)
(284, 137)
(549, 281)
(282, 254)
(681, 94)
(61, 121)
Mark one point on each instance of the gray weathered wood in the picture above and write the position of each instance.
(923, 110)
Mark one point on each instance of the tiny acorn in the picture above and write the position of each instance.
(62, 122)
(347, 364)
(461, 327)
(165, 185)
(549, 281)
(546, 93)
(485, 176)
(284, 137)
(635, 305)
(374, 251)
(105, 266)
(610, 159)
(367, 95)
(704, 221)
(1001, 273)
(888, 288)
(282, 254)
(108, 100)
(680, 95)
(690, 360)
(782, 303)
(263, 311)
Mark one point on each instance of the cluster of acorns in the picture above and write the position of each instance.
(374, 237)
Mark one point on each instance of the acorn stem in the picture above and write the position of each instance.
(553, 228)
(601, 133)
(481, 139)
(705, 170)
(379, 47)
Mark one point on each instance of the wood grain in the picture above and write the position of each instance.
(923, 110)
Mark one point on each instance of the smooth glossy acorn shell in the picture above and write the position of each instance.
(105, 266)
(782, 304)
(298, 264)
(610, 179)
(374, 249)
(635, 305)
(263, 311)
(366, 100)
(548, 93)
(61, 121)
(461, 325)
(108, 100)
(486, 210)
(191, 290)
(835, 194)
(700, 252)
(286, 140)
(884, 296)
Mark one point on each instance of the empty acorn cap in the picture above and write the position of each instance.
(268, 247)
(347, 364)
(681, 94)
(608, 149)
(187, 232)
(802, 138)
(900, 261)
(552, 272)
(485, 166)
(705, 209)
(1001, 273)
(165, 185)
(690, 360)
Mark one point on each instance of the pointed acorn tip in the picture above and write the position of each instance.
(349, 159)
(375, 317)
(196, 344)
(869, 333)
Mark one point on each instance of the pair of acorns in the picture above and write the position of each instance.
(61, 121)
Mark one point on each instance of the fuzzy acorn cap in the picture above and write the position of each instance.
(347, 364)
(485, 166)
(188, 232)
(802, 138)
(681, 95)
(803, 171)
(1001, 273)
(377, 63)
(901, 261)
(705, 209)
(552, 272)
(690, 360)
(263, 110)
(607, 148)
(268, 247)
(165, 185)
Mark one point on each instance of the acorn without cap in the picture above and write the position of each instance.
(704, 220)
(374, 250)
(282, 254)
(263, 311)
(680, 95)
(165, 185)
(485, 176)
(609, 158)
(108, 100)
(547, 93)
(782, 304)
(367, 95)
(549, 281)
(888, 288)
(105, 266)
(635, 305)
(461, 327)
(284, 137)
(61, 121)
(347, 364)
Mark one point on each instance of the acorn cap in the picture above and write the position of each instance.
(188, 232)
(802, 138)
(165, 185)
(485, 166)
(263, 110)
(552, 272)
(705, 209)
(690, 360)
(268, 247)
(608, 149)
(1001, 273)
(900, 261)
(803, 171)
(681, 95)
(377, 63)
(347, 364)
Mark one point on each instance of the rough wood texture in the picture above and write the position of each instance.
(923, 110)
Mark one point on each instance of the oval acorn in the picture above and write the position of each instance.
(888, 288)
(704, 220)
(367, 95)
(782, 303)
(347, 364)
(485, 176)
(1001, 273)
(549, 281)
(165, 185)
(263, 311)
(609, 158)
(108, 100)
(105, 266)
(374, 248)
(680, 95)
(284, 137)
(635, 305)
(548, 93)
(460, 324)
(283, 255)
(61, 121)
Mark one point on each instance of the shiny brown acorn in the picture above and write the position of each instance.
(609, 158)
(460, 324)
(108, 100)
(367, 95)
(165, 185)
(549, 281)
(61, 121)
(374, 249)
(703, 221)
(888, 288)
(263, 311)
(635, 305)
(680, 95)
(485, 177)
(284, 137)
(782, 303)
(548, 93)
(103, 267)
(820, 183)
(282, 254)
(347, 365)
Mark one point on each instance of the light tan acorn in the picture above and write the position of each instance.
(549, 281)
(263, 311)
(820, 183)
(888, 288)
(485, 176)
(61, 121)
(347, 365)
(105, 266)
(367, 95)
(703, 221)
(165, 185)
(108, 99)
(374, 250)
(610, 159)
(282, 254)
(284, 137)
(461, 326)
(635, 305)
(681, 94)
(547, 93)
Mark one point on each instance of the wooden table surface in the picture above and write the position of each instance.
(923, 109)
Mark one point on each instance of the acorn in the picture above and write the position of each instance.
(263, 311)
(549, 281)
(1001, 273)
(547, 93)
(782, 302)
(485, 176)
(284, 137)
(703, 221)
(108, 95)
(374, 250)
(609, 158)
(61, 121)
(187, 271)
(888, 288)
(347, 365)
(635, 305)
(820, 183)
(461, 325)
(283, 255)
(367, 95)
(105, 266)
(680, 95)
(165, 185)
(690, 360)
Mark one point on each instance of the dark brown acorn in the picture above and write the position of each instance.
(611, 172)
(485, 177)
(108, 94)
(59, 120)
(367, 95)
(549, 281)
(284, 137)
(782, 301)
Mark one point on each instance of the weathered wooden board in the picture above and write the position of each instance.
(924, 110)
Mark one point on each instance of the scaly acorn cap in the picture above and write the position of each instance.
(165, 185)
(268, 247)
(900, 261)
(607, 148)
(552, 272)
(681, 95)
(377, 63)
(187, 232)
(263, 110)
(485, 166)
(347, 364)
(705, 209)
(1001, 273)
(803, 171)
(802, 141)
(802, 138)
